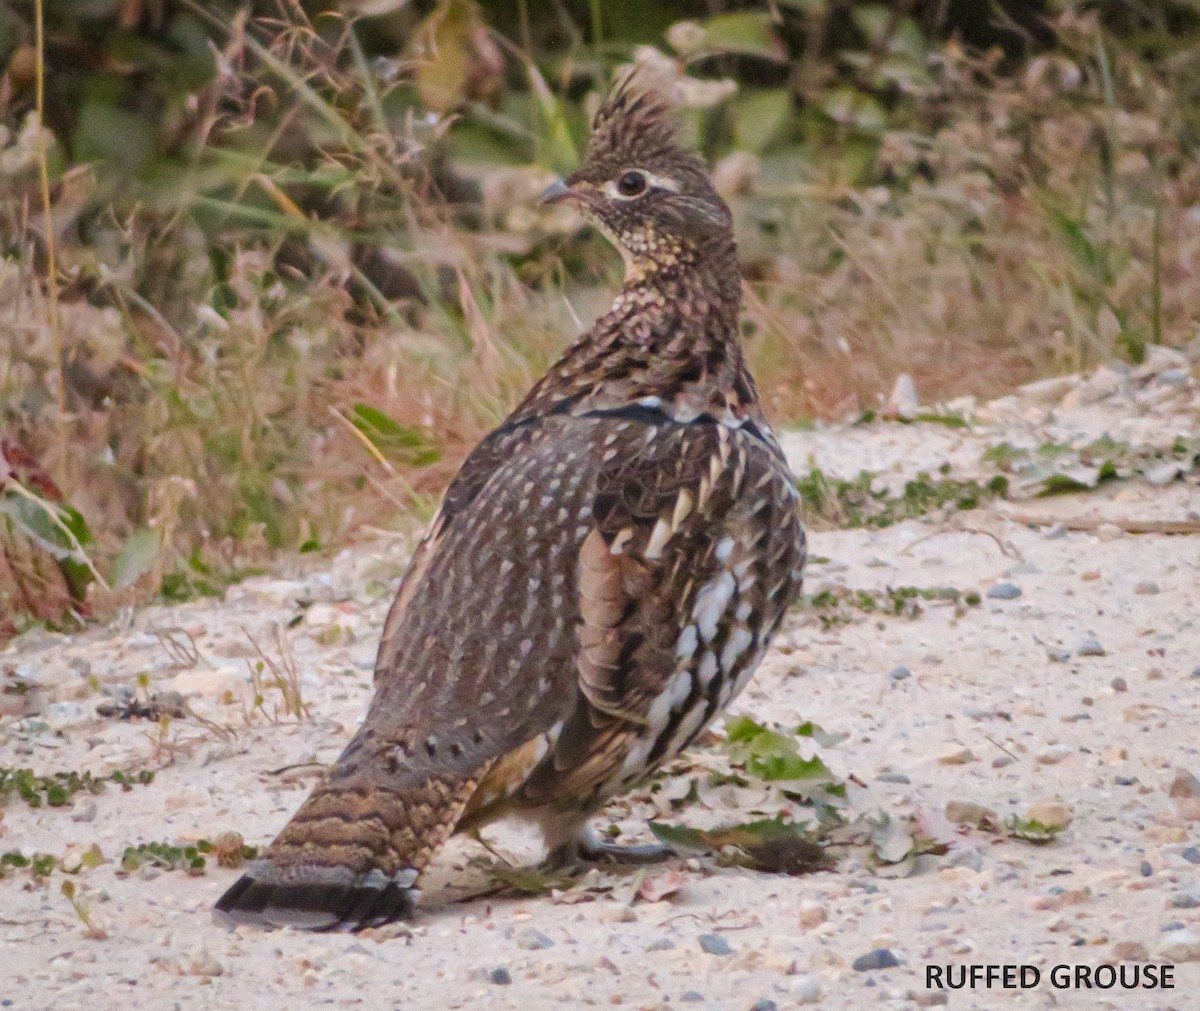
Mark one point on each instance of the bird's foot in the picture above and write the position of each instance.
(587, 850)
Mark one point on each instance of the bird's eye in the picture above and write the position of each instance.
(631, 184)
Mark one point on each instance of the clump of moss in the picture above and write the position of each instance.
(228, 849)
(58, 788)
(837, 605)
(854, 503)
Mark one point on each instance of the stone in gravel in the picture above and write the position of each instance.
(1118, 684)
(1125, 780)
(1186, 900)
(1191, 854)
(811, 914)
(1053, 814)
(1146, 588)
(805, 990)
(893, 777)
(501, 976)
(959, 756)
(971, 859)
(880, 958)
(929, 998)
(714, 944)
(204, 963)
(84, 811)
(1129, 951)
(1004, 591)
(1055, 532)
(903, 401)
(1054, 754)
(764, 1005)
(692, 997)
(533, 940)
(660, 944)
(1091, 647)
(965, 812)
(1146, 869)
(1058, 655)
(900, 674)
(1184, 785)
(1180, 946)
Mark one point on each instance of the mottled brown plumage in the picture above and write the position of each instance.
(602, 578)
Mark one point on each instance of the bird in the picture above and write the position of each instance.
(603, 576)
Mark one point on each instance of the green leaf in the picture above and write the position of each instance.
(528, 880)
(137, 557)
(747, 32)
(821, 736)
(788, 768)
(1033, 831)
(35, 520)
(408, 443)
(760, 116)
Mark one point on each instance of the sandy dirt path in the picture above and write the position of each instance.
(1080, 686)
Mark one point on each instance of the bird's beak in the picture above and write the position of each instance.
(557, 192)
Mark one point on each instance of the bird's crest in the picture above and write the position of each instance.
(635, 125)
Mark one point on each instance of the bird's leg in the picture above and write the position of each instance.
(586, 848)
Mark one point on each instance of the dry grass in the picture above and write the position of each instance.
(1019, 226)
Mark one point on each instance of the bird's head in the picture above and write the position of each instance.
(652, 198)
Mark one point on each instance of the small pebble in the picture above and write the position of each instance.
(764, 1005)
(880, 958)
(1058, 655)
(1129, 951)
(1191, 854)
(714, 944)
(900, 673)
(806, 990)
(1186, 900)
(1118, 684)
(661, 944)
(1147, 587)
(972, 859)
(533, 940)
(1091, 647)
(1004, 591)
(500, 977)
(84, 811)
(893, 777)
(1053, 533)
(1185, 784)
(692, 997)
(1125, 780)
(811, 914)
(1055, 754)
(1146, 869)
(1051, 813)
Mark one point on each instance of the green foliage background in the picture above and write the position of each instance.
(300, 270)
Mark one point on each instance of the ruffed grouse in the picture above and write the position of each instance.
(602, 579)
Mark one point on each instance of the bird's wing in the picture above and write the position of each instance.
(695, 552)
(602, 561)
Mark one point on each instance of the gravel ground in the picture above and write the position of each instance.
(1075, 682)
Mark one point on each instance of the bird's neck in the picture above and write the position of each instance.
(669, 341)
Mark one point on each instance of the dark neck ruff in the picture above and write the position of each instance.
(671, 336)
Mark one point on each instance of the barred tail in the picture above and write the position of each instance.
(349, 858)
